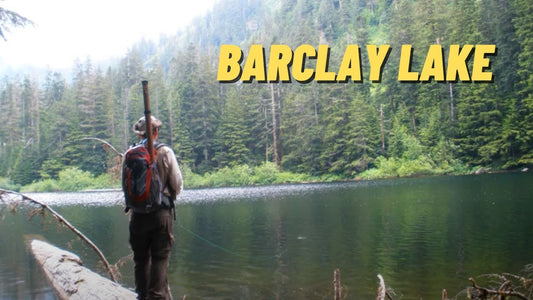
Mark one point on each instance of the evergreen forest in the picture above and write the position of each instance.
(330, 130)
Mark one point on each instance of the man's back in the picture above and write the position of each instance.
(169, 172)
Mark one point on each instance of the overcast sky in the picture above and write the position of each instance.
(100, 29)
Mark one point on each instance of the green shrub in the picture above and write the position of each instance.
(423, 165)
(289, 177)
(6, 184)
(265, 173)
(403, 167)
(191, 179)
(47, 185)
(74, 179)
(371, 174)
(104, 181)
(242, 175)
(328, 178)
(388, 167)
(235, 176)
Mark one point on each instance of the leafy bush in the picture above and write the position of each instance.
(235, 176)
(289, 177)
(6, 184)
(242, 175)
(265, 173)
(328, 178)
(191, 179)
(47, 185)
(403, 167)
(371, 174)
(423, 165)
(74, 179)
(104, 181)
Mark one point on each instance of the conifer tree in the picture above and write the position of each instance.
(524, 29)
(303, 130)
(232, 135)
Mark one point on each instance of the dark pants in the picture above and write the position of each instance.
(151, 239)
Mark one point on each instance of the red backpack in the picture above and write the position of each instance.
(140, 180)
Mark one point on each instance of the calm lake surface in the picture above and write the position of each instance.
(284, 242)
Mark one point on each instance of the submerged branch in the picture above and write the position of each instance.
(382, 290)
(64, 221)
(337, 284)
(503, 291)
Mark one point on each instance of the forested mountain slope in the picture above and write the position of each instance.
(315, 128)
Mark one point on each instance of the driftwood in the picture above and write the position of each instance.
(337, 284)
(70, 279)
(382, 290)
(505, 290)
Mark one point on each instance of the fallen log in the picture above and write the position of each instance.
(70, 280)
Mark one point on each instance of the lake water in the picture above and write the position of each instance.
(284, 242)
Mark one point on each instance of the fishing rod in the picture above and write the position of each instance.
(150, 147)
(148, 120)
(148, 133)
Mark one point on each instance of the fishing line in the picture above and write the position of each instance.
(215, 245)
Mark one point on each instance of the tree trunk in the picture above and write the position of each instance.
(266, 133)
(274, 125)
(125, 98)
(382, 127)
(70, 279)
(170, 120)
(452, 117)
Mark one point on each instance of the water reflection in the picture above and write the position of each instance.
(203, 196)
(283, 242)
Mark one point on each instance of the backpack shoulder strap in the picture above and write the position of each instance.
(158, 145)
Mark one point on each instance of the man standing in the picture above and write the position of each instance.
(151, 234)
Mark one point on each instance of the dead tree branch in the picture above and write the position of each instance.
(65, 222)
(505, 290)
(381, 290)
(337, 284)
(105, 143)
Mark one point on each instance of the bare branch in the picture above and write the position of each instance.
(382, 290)
(337, 284)
(486, 291)
(106, 143)
(64, 221)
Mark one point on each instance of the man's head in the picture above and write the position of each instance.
(140, 126)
